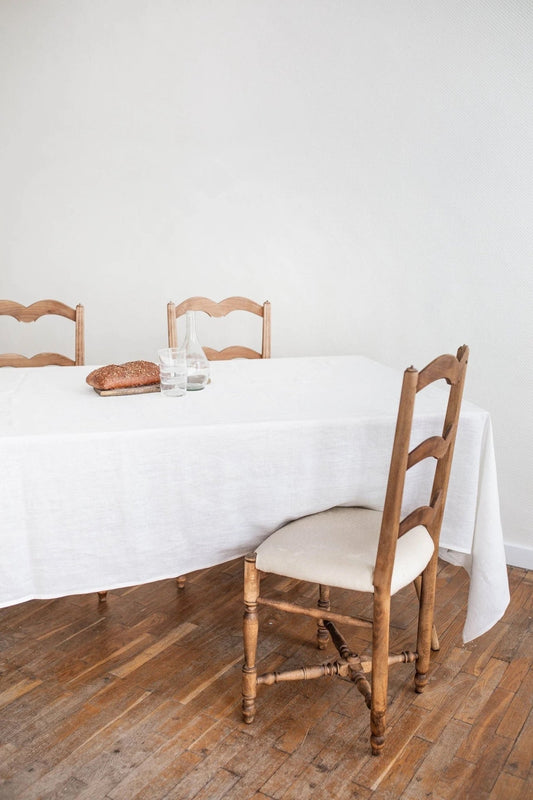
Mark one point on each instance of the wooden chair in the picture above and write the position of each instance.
(366, 551)
(35, 311)
(221, 309)
(32, 313)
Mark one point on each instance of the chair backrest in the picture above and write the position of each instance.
(34, 312)
(452, 369)
(214, 309)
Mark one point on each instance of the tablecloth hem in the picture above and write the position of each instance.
(109, 587)
(470, 638)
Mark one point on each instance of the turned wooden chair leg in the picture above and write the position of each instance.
(250, 632)
(380, 670)
(435, 644)
(425, 623)
(322, 636)
(102, 597)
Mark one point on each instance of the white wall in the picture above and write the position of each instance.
(366, 166)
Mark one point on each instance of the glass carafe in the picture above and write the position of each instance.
(197, 363)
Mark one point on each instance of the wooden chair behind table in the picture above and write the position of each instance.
(34, 312)
(221, 309)
(366, 551)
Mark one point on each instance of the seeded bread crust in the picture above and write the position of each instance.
(122, 376)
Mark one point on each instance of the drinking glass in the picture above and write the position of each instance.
(172, 371)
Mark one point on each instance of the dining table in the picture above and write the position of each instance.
(102, 492)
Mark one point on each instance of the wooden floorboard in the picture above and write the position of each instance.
(138, 698)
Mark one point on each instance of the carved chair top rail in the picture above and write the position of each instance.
(220, 309)
(36, 310)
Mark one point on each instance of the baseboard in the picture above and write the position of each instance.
(519, 556)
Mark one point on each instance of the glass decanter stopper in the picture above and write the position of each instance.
(197, 363)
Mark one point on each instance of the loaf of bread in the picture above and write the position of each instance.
(122, 376)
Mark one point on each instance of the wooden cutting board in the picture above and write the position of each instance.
(153, 387)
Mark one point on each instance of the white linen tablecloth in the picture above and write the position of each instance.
(103, 492)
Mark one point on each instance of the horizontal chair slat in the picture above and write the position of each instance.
(39, 360)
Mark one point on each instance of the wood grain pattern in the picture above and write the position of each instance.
(78, 721)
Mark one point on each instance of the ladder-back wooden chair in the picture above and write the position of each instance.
(366, 551)
(32, 313)
(221, 309)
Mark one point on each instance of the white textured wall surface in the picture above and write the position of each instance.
(367, 167)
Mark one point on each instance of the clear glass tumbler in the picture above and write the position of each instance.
(172, 371)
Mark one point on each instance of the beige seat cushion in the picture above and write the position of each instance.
(338, 548)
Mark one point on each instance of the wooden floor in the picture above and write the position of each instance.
(138, 699)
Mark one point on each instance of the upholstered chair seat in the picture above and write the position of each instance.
(339, 547)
